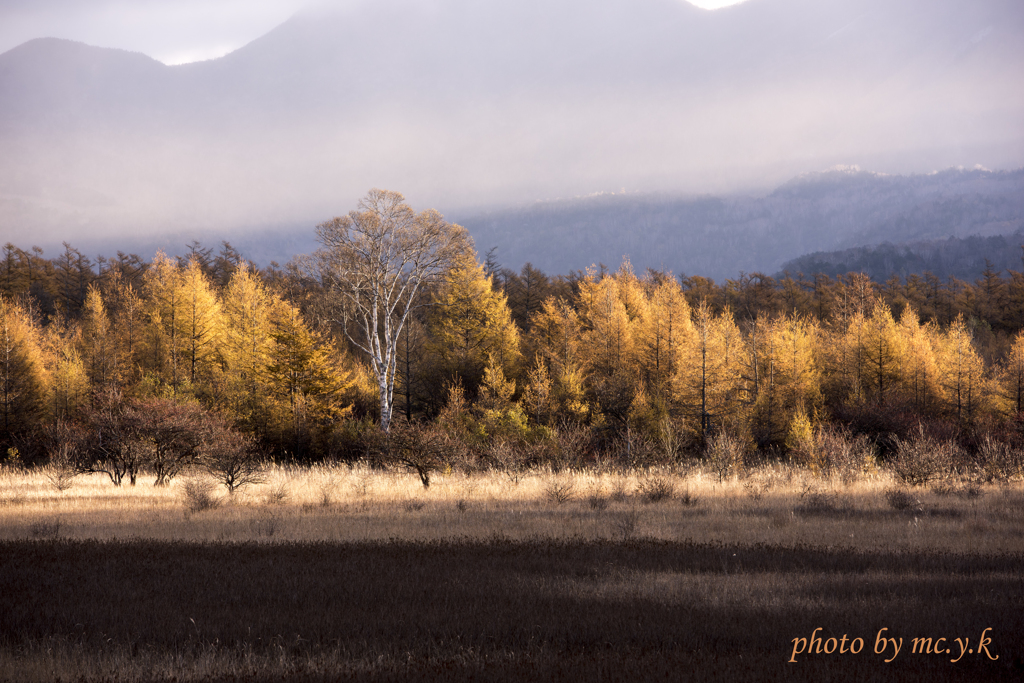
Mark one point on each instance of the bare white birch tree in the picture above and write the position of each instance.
(376, 260)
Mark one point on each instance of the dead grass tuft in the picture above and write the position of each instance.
(656, 489)
(625, 523)
(197, 495)
(277, 495)
(46, 530)
(901, 500)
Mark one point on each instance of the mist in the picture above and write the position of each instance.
(465, 106)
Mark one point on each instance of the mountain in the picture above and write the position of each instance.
(468, 103)
(965, 258)
(719, 237)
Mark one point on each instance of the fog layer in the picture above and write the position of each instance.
(461, 104)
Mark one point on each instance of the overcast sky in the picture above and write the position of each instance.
(172, 31)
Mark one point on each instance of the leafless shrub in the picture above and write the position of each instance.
(423, 449)
(968, 491)
(656, 489)
(197, 495)
(61, 471)
(755, 489)
(277, 495)
(506, 458)
(1000, 461)
(902, 500)
(759, 483)
(625, 523)
(670, 439)
(814, 501)
(923, 459)
(619, 492)
(559, 492)
(573, 445)
(724, 454)
(688, 499)
(841, 453)
(231, 458)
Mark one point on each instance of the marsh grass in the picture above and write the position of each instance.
(341, 503)
(364, 574)
(497, 609)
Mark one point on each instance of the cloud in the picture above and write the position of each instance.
(714, 4)
(171, 31)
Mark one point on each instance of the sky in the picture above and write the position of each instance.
(171, 31)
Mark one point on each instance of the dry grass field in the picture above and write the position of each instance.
(337, 573)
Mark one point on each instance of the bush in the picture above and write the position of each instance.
(840, 453)
(559, 492)
(656, 489)
(1000, 461)
(901, 500)
(61, 471)
(625, 523)
(510, 460)
(724, 455)
(688, 499)
(923, 460)
(197, 495)
(423, 449)
(817, 502)
(231, 458)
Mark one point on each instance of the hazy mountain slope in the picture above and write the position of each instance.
(719, 237)
(962, 257)
(462, 103)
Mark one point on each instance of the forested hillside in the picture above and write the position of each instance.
(966, 258)
(498, 361)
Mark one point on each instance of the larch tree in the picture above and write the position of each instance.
(202, 323)
(165, 303)
(709, 379)
(69, 381)
(607, 342)
(961, 372)
(881, 353)
(98, 343)
(376, 260)
(664, 327)
(919, 376)
(304, 371)
(23, 375)
(469, 324)
(1013, 374)
(247, 340)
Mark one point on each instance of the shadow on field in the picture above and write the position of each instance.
(507, 610)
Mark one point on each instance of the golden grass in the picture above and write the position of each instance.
(776, 505)
(323, 573)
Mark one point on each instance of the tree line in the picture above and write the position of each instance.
(205, 355)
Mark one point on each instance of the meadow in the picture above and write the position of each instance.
(351, 573)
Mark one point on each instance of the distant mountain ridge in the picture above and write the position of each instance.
(722, 236)
(462, 104)
(965, 258)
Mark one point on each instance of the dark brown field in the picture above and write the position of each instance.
(586, 610)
